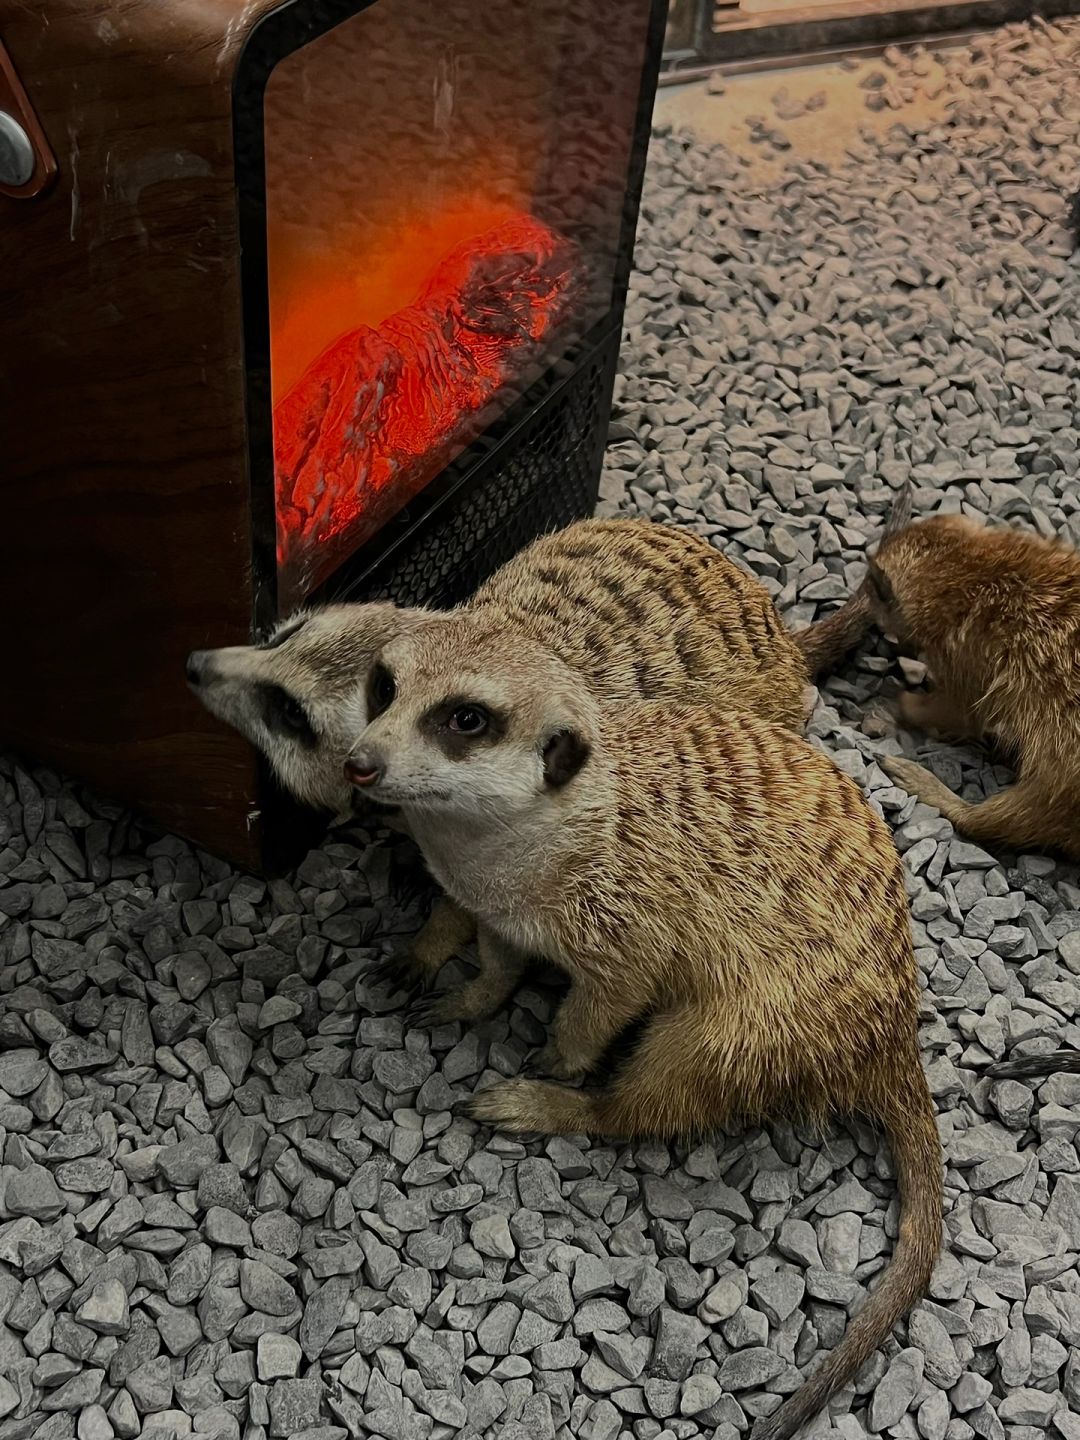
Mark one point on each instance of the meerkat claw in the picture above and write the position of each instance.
(385, 971)
(427, 1012)
(401, 972)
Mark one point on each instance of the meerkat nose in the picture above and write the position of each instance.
(361, 771)
(196, 667)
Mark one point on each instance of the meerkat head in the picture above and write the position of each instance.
(464, 718)
(291, 694)
(907, 573)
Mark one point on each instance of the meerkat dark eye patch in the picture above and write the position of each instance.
(564, 755)
(381, 690)
(286, 632)
(459, 725)
(284, 715)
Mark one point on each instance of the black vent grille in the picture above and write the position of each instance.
(542, 476)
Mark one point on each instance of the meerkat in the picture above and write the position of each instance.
(996, 614)
(638, 609)
(709, 873)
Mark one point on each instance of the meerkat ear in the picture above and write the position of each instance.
(880, 583)
(564, 754)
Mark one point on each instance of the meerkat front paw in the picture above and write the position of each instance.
(470, 1003)
(527, 1105)
(551, 1061)
(403, 971)
(430, 1011)
(919, 782)
(505, 1105)
(516, 1106)
(938, 714)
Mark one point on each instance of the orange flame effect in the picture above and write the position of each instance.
(383, 409)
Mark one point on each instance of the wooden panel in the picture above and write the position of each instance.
(123, 465)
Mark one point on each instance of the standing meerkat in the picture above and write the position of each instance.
(996, 613)
(708, 872)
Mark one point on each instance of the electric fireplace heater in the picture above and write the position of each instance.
(304, 300)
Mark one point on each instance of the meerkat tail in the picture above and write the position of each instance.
(912, 1134)
(825, 643)
(1057, 1062)
(900, 512)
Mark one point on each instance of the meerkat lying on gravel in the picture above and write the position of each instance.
(709, 872)
(996, 613)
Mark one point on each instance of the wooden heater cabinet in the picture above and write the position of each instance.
(170, 230)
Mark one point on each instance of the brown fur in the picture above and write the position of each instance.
(996, 613)
(640, 609)
(709, 872)
(646, 611)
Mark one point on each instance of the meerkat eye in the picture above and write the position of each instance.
(284, 715)
(383, 688)
(292, 713)
(468, 720)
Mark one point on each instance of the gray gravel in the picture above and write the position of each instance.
(234, 1196)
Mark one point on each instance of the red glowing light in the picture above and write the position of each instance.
(382, 410)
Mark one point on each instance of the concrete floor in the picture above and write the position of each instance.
(729, 118)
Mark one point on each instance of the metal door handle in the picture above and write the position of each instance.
(27, 164)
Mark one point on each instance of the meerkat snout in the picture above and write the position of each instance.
(363, 769)
(882, 599)
(199, 668)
